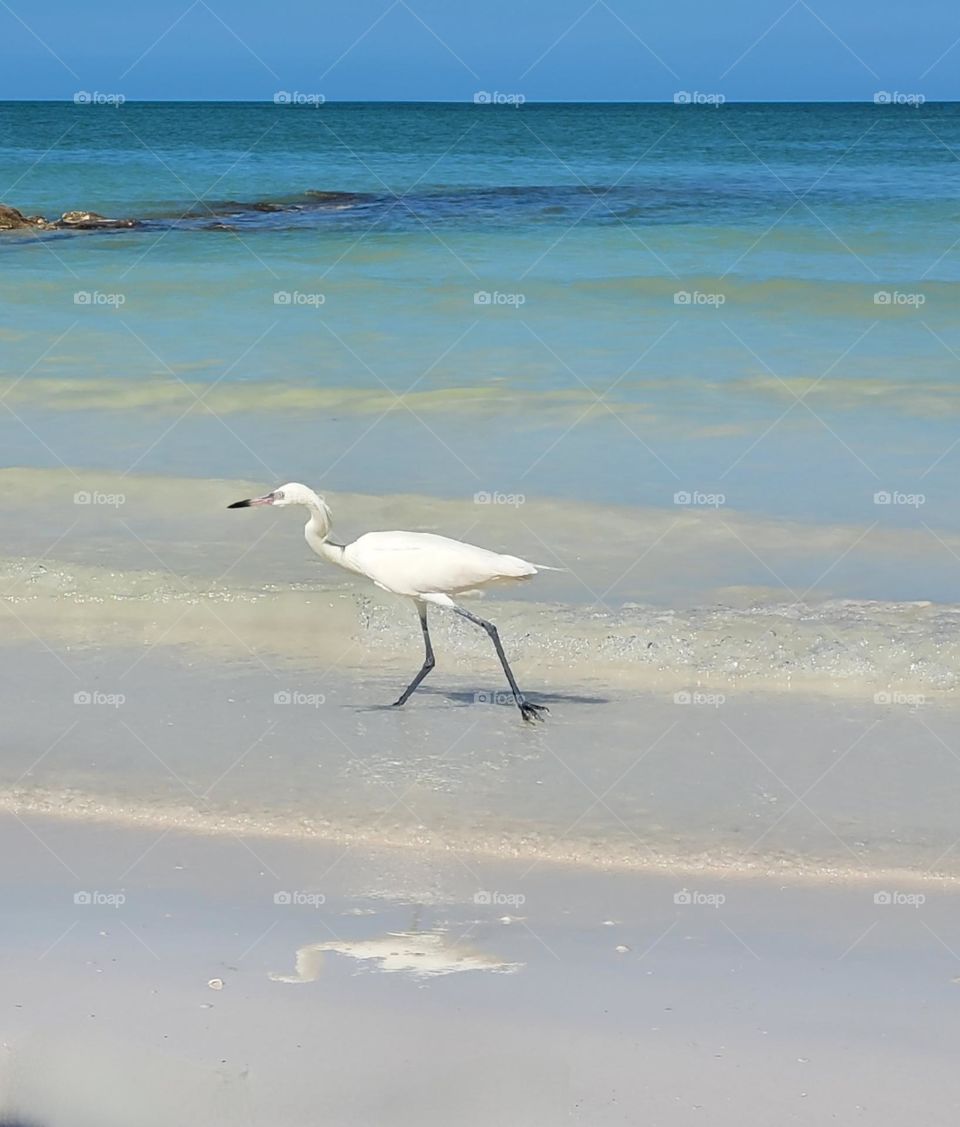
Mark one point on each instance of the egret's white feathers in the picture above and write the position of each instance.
(419, 563)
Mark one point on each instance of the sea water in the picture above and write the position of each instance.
(608, 303)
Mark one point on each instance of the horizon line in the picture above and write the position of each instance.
(472, 100)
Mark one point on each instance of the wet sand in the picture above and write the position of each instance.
(466, 991)
(792, 786)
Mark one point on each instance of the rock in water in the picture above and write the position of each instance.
(13, 220)
(90, 220)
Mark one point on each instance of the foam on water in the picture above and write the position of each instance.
(845, 647)
(645, 597)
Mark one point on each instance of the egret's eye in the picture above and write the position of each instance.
(278, 496)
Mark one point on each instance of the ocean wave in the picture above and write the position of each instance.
(849, 648)
(623, 853)
(107, 394)
(672, 555)
(635, 399)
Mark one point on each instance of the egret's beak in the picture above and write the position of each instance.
(266, 499)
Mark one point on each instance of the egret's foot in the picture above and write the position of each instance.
(533, 712)
(399, 702)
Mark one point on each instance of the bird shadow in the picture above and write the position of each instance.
(479, 698)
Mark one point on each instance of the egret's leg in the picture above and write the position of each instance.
(527, 710)
(428, 662)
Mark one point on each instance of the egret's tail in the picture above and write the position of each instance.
(547, 567)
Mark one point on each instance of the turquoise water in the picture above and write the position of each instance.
(785, 384)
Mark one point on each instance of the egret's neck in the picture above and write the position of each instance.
(327, 549)
(321, 519)
(317, 531)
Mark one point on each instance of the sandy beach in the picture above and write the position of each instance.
(798, 786)
(153, 978)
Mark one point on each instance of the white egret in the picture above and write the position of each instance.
(420, 565)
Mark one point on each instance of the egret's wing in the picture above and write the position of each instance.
(414, 563)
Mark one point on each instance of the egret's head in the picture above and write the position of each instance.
(293, 493)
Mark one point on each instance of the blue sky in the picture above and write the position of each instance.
(566, 50)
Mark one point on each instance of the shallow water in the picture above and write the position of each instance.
(810, 368)
(684, 781)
